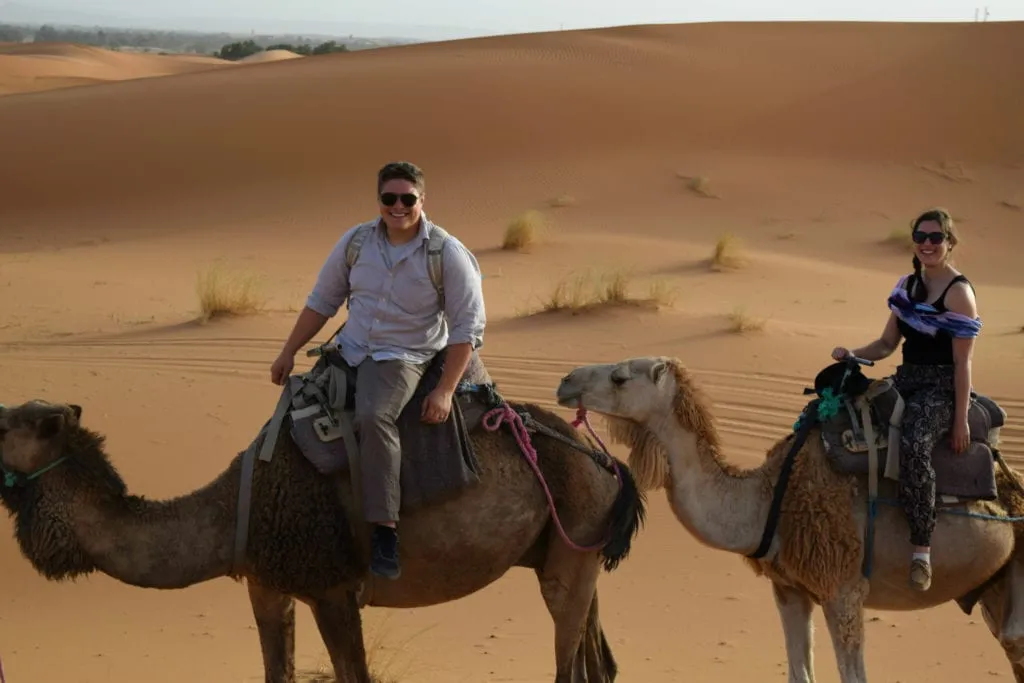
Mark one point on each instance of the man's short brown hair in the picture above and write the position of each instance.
(404, 170)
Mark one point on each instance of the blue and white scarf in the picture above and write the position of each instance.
(926, 318)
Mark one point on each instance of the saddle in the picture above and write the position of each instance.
(870, 412)
(438, 460)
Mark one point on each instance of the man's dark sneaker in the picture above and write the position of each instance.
(384, 552)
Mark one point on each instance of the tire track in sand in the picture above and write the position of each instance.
(752, 409)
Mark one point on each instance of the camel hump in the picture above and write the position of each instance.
(962, 476)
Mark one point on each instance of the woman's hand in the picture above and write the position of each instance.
(840, 352)
(961, 436)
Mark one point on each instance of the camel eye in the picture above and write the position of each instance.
(618, 380)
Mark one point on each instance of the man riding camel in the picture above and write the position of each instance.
(398, 320)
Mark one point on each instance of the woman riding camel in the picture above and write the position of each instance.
(934, 310)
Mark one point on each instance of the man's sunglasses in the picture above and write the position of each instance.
(408, 199)
(933, 237)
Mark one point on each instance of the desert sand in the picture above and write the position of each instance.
(640, 147)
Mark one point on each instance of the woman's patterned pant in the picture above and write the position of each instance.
(928, 392)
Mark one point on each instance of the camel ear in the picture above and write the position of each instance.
(50, 426)
(77, 410)
(657, 371)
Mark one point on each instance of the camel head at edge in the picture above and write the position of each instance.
(33, 434)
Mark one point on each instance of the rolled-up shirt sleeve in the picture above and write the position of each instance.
(331, 288)
(464, 296)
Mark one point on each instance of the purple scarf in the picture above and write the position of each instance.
(925, 318)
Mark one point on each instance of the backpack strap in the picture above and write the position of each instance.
(435, 253)
(356, 243)
(435, 259)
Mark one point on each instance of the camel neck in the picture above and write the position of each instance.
(722, 506)
(157, 544)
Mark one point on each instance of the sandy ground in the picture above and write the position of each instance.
(817, 141)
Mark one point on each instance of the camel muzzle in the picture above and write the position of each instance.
(566, 395)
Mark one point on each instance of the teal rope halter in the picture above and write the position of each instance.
(12, 479)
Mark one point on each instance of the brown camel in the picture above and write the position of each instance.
(73, 516)
(654, 406)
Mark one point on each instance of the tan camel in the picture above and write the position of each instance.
(73, 516)
(654, 406)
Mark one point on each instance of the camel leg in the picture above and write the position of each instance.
(795, 609)
(1002, 607)
(340, 624)
(844, 615)
(599, 660)
(568, 582)
(275, 623)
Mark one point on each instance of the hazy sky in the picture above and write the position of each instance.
(413, 18)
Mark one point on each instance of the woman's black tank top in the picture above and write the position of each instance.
(922, 349)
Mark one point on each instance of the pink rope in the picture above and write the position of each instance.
(581, 417)
(492, 421)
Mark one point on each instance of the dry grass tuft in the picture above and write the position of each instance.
(728, 253)
(524, 231)
(663, 294)
(562, 201)
(741, 322)
(380, 672)
(586, 291)
(222, 294)
(900, 237)
(698, 184)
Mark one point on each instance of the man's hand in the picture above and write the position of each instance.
(437, 406)
(281, 368)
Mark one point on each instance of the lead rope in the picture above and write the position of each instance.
(504, 413)
(581, 418)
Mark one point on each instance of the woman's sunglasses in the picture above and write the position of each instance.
(408, 199)
(933, 237)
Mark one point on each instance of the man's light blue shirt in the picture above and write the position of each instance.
(394, 312)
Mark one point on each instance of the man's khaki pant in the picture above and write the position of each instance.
(383, 388)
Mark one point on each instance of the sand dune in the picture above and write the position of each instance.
(811, 144)
(32, 67)
(270, 56)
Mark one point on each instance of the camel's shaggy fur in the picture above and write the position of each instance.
(1010, 502)
(805, 518)
(818, 505)
(300, 537)
(647, 456)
